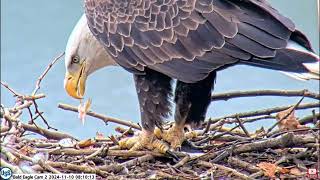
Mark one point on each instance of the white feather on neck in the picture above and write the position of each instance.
(83, 43)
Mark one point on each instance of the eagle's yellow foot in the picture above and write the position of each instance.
(145, 140)
(175, 135)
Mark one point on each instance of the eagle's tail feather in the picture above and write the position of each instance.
(296, 60)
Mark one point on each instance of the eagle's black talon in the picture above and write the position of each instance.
(173, 155)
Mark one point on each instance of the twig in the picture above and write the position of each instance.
(42, 163)
(163, 175)
(283, 118)
(255, 93)
(309, 119)
(24, 97)
(139, 160)
(26, 104)
(100, 116)
(119, 153)
(267, 111)
(287, 140)
(10, 89)
(34, 97)
(279, 132)
(242, 127)
(14, 168)
(224, 168)
(115, 168)
(182, 161)
(224, 133)
(244, 165)
(96, 153)
(46, 133)
(45, 73)
(78, 168)
(40, 114)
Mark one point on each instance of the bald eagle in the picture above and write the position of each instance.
(159, 41)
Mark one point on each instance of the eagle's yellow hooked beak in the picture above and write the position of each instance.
(75, 83)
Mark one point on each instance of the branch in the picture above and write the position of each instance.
(309, 119)
(10, 89)
(78, 168)
(42, 163)
(100, 116)
(45, 73)
(223, 168)
(287, 115)
(255, 93)
(87, 152)
(46, 133)
(244, 165)
(14, 168)
(286, 140)
(266, 111)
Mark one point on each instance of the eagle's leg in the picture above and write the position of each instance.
(192, 101)
(154, 90)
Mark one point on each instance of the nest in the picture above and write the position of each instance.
(222, 147)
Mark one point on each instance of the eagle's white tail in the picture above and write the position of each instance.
(312, 67)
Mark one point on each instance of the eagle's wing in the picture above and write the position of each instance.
(187, 39)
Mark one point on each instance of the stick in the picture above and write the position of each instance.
(140, 160)
(182, 161)
(42, 163)
(119, 153)
(42, 117)
(267, 111)
(288, 93)
(46, 133)
(100, 116)
(284, 141)
(10, 89)
(283, 118)
(78, 168)
(309, 119)
(224, 168)
(24, 97)
(45, 73)
(14, 168)
(99, 151)
(287, 140)
(242, 126)
(244, 165)
(119, 167)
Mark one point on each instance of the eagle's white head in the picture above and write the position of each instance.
(83, 56)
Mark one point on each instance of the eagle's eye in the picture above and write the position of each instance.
(75, 59)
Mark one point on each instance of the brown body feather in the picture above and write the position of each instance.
(189, 40)
(165, 34)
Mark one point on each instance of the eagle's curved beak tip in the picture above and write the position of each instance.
(75, 86)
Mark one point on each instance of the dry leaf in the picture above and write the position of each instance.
(27, 150)
(268, 168)
(290, 122)
(86, 143)
(258, 133)
(120, 129)
(282, 170)
(295, 171)
(83, 109)
(271, 169)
